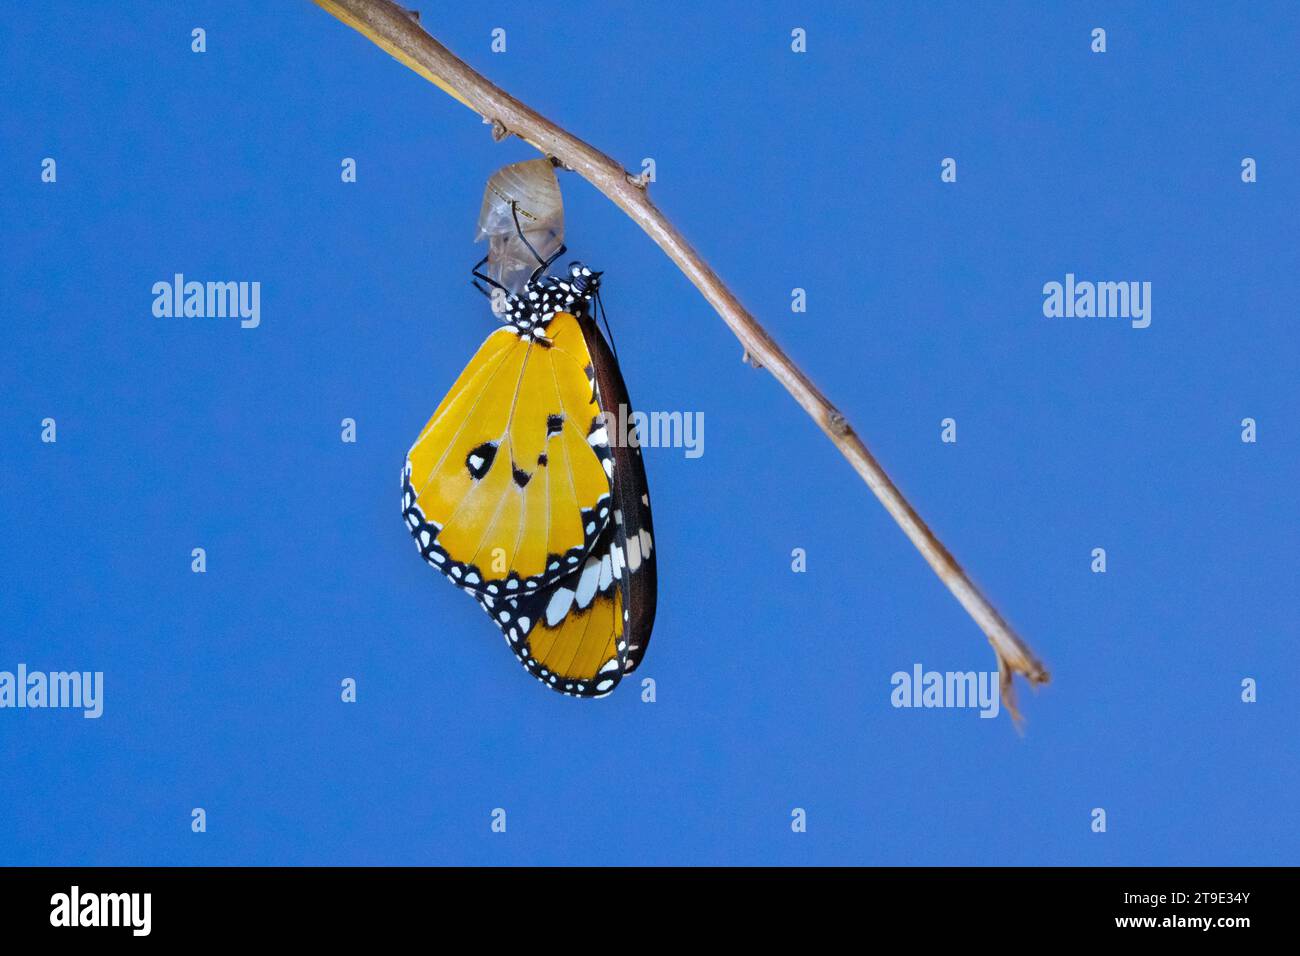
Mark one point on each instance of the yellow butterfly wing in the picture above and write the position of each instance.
(507, 488)
(583, 632)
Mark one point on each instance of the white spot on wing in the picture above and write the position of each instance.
(587, 583)
(559, 606)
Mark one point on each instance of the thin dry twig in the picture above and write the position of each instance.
(397, 31)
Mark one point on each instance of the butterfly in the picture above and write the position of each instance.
(520, 490)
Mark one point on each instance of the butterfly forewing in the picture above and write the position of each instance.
(504, 489)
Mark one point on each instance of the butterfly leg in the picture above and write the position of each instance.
(519, 230)
(498, 295)
(486, 278)
(542, 264)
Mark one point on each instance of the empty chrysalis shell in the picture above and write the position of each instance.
(531, 190)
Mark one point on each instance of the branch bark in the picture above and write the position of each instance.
(398, 32)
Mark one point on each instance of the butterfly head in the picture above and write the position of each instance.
(583, 281)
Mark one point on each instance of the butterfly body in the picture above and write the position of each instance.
(520, 493)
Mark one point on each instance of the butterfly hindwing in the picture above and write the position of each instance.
(570, 635)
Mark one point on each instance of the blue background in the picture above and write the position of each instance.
(924, 301)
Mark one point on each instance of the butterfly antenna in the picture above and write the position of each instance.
(609, 333)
